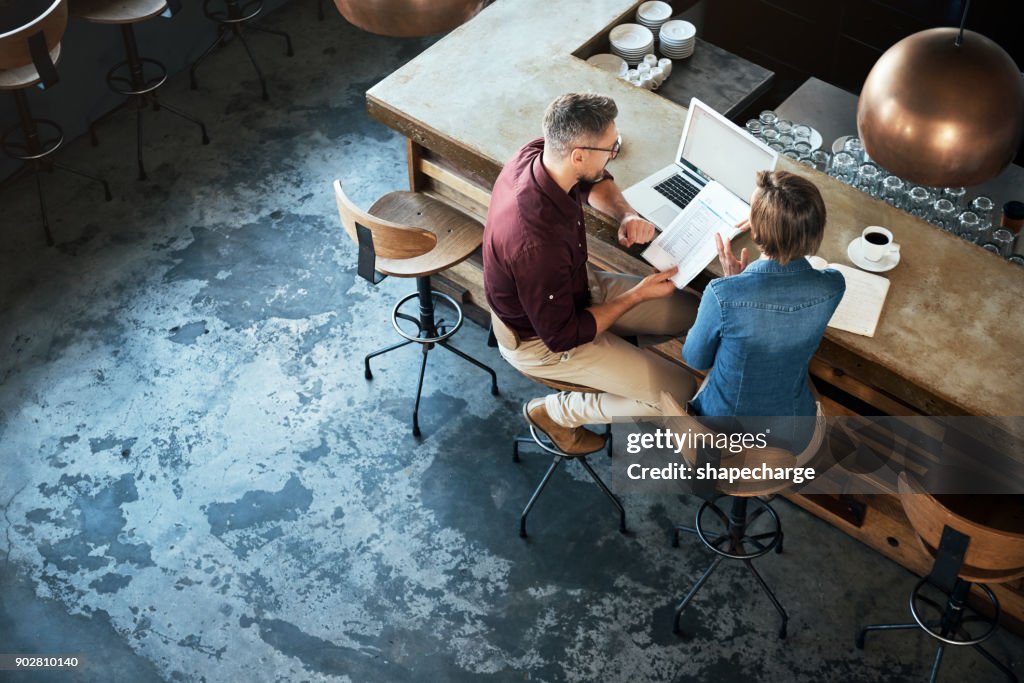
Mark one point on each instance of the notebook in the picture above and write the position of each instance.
(862, 304)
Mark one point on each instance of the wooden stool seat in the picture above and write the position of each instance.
(457, 235)
(562, 386)
(117, 11)
(25, 76)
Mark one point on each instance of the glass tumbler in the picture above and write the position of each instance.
(944, 214)
(919, 202)
(821, 160)
(768, 118)
(957, 195)
(775, 146)
(754, 127)
(801, 132)
(855, 147)
(967, 226)
(844, 168)
(869, 177)
(784, 126)
(769, 135)
(802, 146)
(894, 191)
(1003, 239)
(983, 206)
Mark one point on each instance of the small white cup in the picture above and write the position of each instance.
(666, 65)
(876, 243)
(650, 60)
(658, 76)
(646, 81)
(632, 75)
(643, 68)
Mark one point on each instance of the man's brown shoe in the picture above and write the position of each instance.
(571, 441)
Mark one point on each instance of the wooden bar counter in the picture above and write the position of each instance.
(950, 338)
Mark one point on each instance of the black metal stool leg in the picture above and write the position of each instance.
(320, 10)
(379, 352)
(683, 529)
(264, 29)
(138, 143)
(771, 596)
(938, 662)
(536, 494)
(419, 392)
(187, 117)
(474, 361)
(259, 73)
(996, 663)
(101, 181)
(611, 496)
(206, 53)
(515, 446)
(882, 627)
(42, 209)
(693, 591)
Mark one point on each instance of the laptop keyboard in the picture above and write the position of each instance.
(677, 190)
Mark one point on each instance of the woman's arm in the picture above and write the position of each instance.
(703, 338)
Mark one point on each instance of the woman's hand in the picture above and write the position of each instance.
(730, 264)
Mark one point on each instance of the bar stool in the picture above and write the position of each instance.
(413, 235)
(230, 20)
(28, 57)
(136, 77)
(969, 546)
(736, 529)
(509, 339)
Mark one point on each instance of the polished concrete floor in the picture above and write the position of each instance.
(198, 484)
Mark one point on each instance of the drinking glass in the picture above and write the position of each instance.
(786, 139)
(855, 147)
(984, 230)
(894, 191)
(801, 131)
(754, 127)
(777, 147)
(868, 178)
(1016, 259)
(983, 206)
(769, 135)
(919, 202)
(802, 146)
(967, 226)
(791, 153)
(784, 126)
(957, 195)
(944, 214)
(768, 118)
(821, 160)
(844, 167)
(1003, 239)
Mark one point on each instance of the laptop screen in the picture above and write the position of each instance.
(722, 151)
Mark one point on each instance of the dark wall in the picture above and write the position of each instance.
(89, 50)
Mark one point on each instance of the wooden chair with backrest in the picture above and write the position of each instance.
(136, 77)
(972, 540)
(739, 533)
(509, 339)
(30, 47)
(413, 235)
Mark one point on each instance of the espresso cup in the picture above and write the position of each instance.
(876, 243)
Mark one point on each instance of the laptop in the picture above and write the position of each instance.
(712, 148)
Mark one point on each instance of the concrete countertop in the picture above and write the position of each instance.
(952, 324)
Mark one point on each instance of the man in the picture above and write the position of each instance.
(567, 318)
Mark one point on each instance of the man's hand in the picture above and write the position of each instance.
(635, 230)
(656, 285)
(730, 265)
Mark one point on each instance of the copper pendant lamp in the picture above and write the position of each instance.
(408, 18)
(943, 107)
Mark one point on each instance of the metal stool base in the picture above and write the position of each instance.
(430, 333)
(949, 628)
(736, 524)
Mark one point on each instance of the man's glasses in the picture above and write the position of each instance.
(613, 151)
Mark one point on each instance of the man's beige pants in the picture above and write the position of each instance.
(631, 380)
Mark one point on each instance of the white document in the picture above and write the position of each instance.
(689, 240)
(862, 304)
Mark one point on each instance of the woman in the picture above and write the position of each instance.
(758, 327)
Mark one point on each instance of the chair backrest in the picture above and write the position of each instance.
(49, 22)
(771, 456)
(995, 553)
(389, 240)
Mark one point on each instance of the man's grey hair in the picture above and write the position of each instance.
(577, 119)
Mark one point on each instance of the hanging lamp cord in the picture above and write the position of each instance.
(963, 20)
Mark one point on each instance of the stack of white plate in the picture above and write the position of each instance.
(631, 42)
(677, 38)
(653, 14)
(609, 63)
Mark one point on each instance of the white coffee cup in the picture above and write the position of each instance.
(650, 60)
(666, 65)
(876, 243)
(658, 75)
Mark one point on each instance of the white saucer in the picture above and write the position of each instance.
(888, 262)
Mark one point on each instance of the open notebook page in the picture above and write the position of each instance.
(862, 303)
